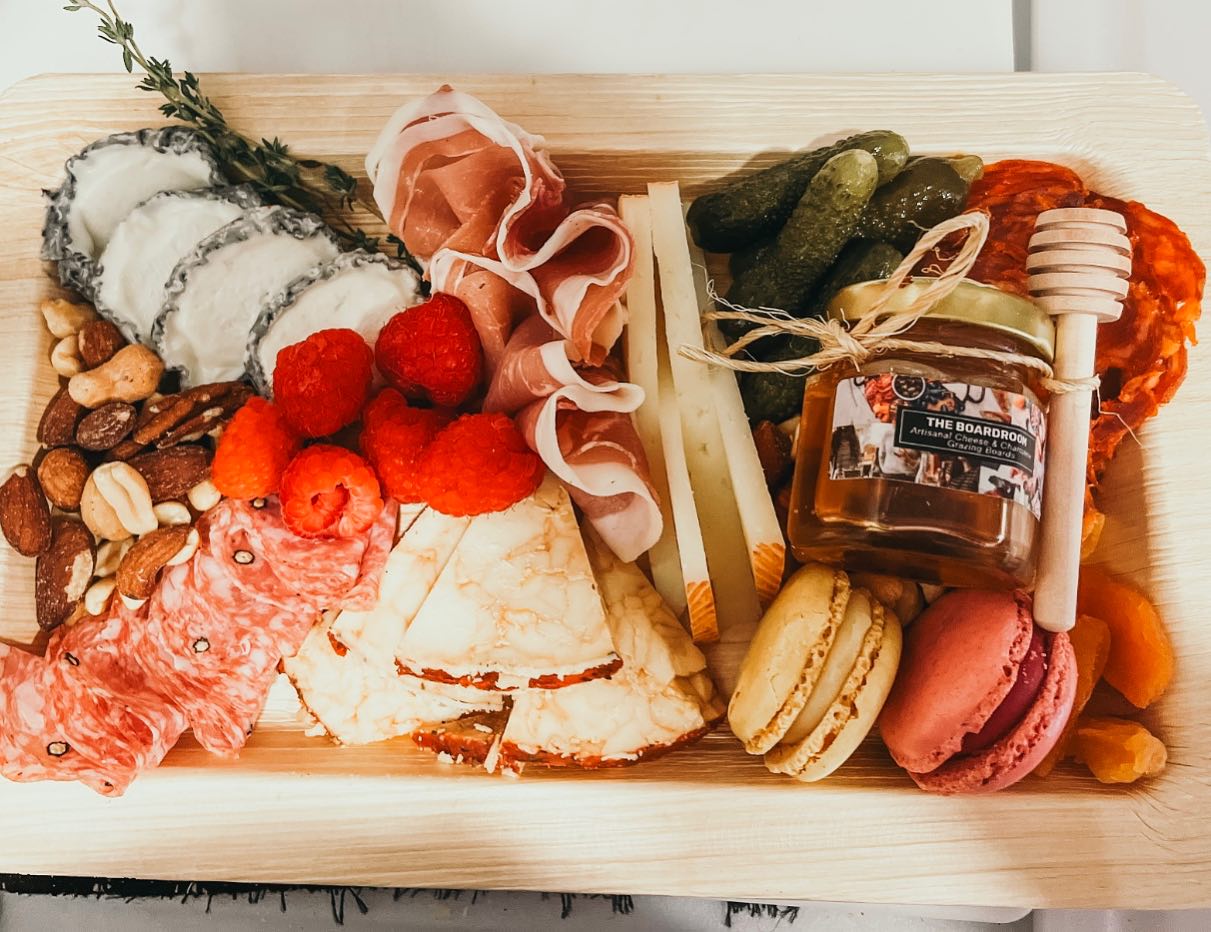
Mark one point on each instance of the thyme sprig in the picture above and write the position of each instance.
(268, 166)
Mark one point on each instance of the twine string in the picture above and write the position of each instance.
(877, 331)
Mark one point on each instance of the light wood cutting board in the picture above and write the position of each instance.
(708, 821)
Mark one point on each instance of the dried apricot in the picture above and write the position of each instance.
(1140, 665)
(1090, 639)
(1118, 750)
(1091, 527)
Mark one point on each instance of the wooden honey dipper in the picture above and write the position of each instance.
(1079, 264)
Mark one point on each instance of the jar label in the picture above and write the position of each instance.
(952, 435)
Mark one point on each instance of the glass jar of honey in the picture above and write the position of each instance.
(924, 465)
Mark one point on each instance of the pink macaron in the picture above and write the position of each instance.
(981, 696)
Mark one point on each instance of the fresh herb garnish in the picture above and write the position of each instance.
(267, 166)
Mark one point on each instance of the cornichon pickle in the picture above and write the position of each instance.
(774, 396)
(757, 205)
(928, 191)
(821, 224)
(860, 261)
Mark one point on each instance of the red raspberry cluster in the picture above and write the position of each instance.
(414, 446)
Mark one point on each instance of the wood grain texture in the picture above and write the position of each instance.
(709, 821)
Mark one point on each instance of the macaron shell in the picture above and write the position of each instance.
(853, 714)
(846, 651)
(1019, 752)
(786, 656)
(961, 659)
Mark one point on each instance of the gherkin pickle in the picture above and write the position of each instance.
(928, 191)
(821, 224)
(755, 207)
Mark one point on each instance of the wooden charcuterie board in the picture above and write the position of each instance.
(709, 821)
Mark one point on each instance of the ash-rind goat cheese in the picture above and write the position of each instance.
(216, 293)
(148, 244)
(107, 180)
(358, 290)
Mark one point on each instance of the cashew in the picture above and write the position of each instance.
(126, 492)
(98, 515)
(109, 556)
(188, 549)
(96, 599)
(169, 513)
(131, 374)
(63, 318)
(65, 357)
(132, 604)
(204, 496)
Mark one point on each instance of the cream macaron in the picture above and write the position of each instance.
(816, 674)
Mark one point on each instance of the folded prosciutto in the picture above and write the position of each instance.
(479, 199)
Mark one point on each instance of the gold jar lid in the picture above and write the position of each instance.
(969, 303)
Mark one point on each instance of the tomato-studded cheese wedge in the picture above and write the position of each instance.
(358, 701)
(428, 541)
(515, 606)
(661, 699)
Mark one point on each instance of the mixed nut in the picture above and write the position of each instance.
(123, 474)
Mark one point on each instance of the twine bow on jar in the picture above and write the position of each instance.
(878, 330)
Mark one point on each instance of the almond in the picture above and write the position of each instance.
(63, 572)
(171, 473)
(58, 425)
(106, 427)
(24, 514)
(63, 472)
(150, 554)
(98, 341)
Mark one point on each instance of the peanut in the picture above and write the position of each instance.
(132, 374)
(110, 554)
(204, 496)
(170, 513)
(65, 357)
(126, 492)
(96, 598)
(63, 318)
(99, 515)
(188, 549)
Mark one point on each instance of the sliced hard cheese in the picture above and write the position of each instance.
(643, 368)
(661, 699)
(516, 604)
(762, 529)
(359, 702)
(736, 601)
(412, 568)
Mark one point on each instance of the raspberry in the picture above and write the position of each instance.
(254, 450)
(480, 463)
(432, 350)
(321, 383)
(393, 436)
(328, 491)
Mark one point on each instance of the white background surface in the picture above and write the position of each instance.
(1167, 37)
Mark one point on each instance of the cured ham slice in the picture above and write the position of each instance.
(480, 200)
(661, 699)
(360, 701)
(515, 606)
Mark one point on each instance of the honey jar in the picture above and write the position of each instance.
(926, 465)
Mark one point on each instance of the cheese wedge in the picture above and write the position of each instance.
(640, 342)
(412, 569)
(736, 602)
(516, 604)
(357, 701)
(661, 699)
(762, 529)
(473, 739)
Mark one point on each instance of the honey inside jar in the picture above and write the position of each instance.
(925, 465)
